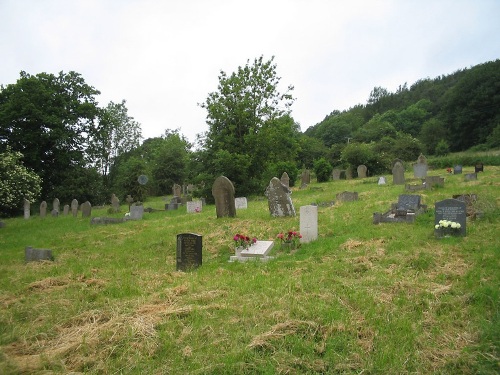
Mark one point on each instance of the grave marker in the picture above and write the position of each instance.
(452, 210)
(420, 168)
(479, 167)
(336, 174)
(115, 203)
(43, 209)
(189, 251)
(362, 171)
(285, 180)
(470, 176)
(308, 223)
(136, 212)
(27, 209)
(33, 255)
(86, 209)
(241, 203)
(66, 210)
(74, 207)
(194, 206)
(278, 199)
(457, 169)
(223, 192)
(381, 180)
(398, 173)
(347, 196)
(305, 177)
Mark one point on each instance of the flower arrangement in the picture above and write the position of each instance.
(291, 237)
(241, 240)
(448, 227)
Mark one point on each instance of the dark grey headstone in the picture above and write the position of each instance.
(189, 251)
(32, 255)
(305, 177)
(278, 198)
(66, 209)
(479, 167)
(86, 209)
(408, 202)
(54, 213)
(223, 192)
(452, 210)
(457, 169)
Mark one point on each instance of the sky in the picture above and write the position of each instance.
(163, 57)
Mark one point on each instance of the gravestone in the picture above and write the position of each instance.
(431, 181)
(348, 173)
(27, 209)
(470, 176)
(381, 180)
(336, 174)
(56, 205)
(285, 180)
(136, 212)
(86, 209)
(194, 206)
(420, 168)
(452, 210)
(457, 169)
(43, 209)
(347, 196)
(129, 201)
(33, 255)
(106, 220)
(258, 251)
(305, 177)
(241, 203)
(115, 203)
(74, 207)
(66, 209)
(362, 171)
(479, 167)
(398, 173)
(189, 251)
(223, 192)
(408, 202)
(308, 223)
(278, 199)
(177, 190)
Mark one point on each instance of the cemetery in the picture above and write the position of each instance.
(377, 270)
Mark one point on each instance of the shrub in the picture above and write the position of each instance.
(322, 169)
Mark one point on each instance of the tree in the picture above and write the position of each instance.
(322, 169)
(16, 183)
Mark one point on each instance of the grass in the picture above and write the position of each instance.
(363, 298)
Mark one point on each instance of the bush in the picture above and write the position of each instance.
(322, 169)
(277, 169)
(442, 148)
(356, 154)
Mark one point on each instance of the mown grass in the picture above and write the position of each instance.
(363, 298)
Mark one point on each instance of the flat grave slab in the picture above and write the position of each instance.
(258, 251)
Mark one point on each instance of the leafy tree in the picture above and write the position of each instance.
(277, 169)
(310, 149)
(493, 140)
(355, 154)
(16, 183)
(322, 169)
(125, 174)
(432, 132)
(442, 148)
(374, 130)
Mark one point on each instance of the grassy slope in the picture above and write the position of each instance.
(386, 298)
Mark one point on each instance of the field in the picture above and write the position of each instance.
(363, 298)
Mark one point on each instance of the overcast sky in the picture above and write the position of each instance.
(164, 56)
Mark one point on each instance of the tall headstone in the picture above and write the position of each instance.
(241, 203)
(308, 223)
(336, 174)
(43, 209)
(285, 180)
(362, 171)
(86, 209)
(420, 168)
(74, 207)
(223, 192)
(279, 200)
(115, 203)
(66, 210)
(189, 251)
(398, 173)
(136, 211)
(177, 190)
(348, 173)
(305, 177)
(55, 207)
(27, 209)
(451, 210)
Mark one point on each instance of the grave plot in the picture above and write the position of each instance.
(404, 211)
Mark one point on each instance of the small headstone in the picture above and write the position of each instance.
(457, 169)
(54, 213)
(240, 203)
(398, 173)
(43, 209)
(381, 180)
(66, 209)
(348, 174)
(308, 223)
(336, 174)
(33, 255)
(177, 190)
(285, 180)
(452, 210)
(470, 176)
(27, 209)
(56, 205)
(194, 206)
(171, 206)
(420, 168)
(86, 209)
(479, 167)
(347, 196)
(408, 202)
(74, 207)
(278, 198)
(258, 251)
(115, 203)
(431, 181)
(305, 177)
(362, 171)
(223, 192)
(136, 212)
(189, 251)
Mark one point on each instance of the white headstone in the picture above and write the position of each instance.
(194, 206)
(381, 180)
(241, 202)
(136, 212)
(308, 223)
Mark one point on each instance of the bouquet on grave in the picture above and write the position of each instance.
(291, 237)
(448, 227)
(243, 241)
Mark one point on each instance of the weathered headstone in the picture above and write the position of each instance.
(308, 223)
(189, 251)
(381, 180)
(33, 255)
(362, 171)
(479, 167)
(336, 174)
(74, 207)
(223, 192)
(470, 176)
(348, 173)
(115, 203)
(305, 177)
(66, 210)
(194, 206)
(129, 201)
(398, 173)
(285, 179)
(86, 209)
(452, 210)
(408, 202)
(278, 199)
(177, 190)
(27, 209)
(240, 203)
(55, 206)
(431, 181)
(457, 169)
(43, 209)
(347, 196)
(421, 167)
(136, 212)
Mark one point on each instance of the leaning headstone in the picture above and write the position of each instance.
(381, 180)
(33, 255)
(66, 209)
(223, 192)
(285, 180)
(189, 251)
(136, 212)
(420, 168)
(278, 198)
(86, 209)
(457, 169)
(362, 171)
(470, 176)
(308, 223)
(336, 174)
(27, 209)
(43, 209)
(451, 210)
(240, 203)
(115, 203)
(74, 207)
(194, 206)
(347, 196)
(479, 167)
(398, 173)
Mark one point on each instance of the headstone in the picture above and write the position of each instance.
(479, 167)
(398, 173)
(27, 209)
(278, 198)
(381, 180)
(66, 209)
(431, 181)
(258, 251)
(106, 220)
(86, 209)
(223, 192)
(74, 207)
(171, 206)
(33, 255)
(54, 213)
(347, 196)
(285, 180)
(241, 203)
(408, 202)
(452, 210)
(422, 159)
(470, 176)
(362, 171)
(189, 251)
(43, 209)
(194, 206)
(421, 167)
(115, 203)
(129, 201)
(336, 174)
(56, 205)
(136, 212)
(305, 177)
(348, 173)
(177, 190)
(457, 169)
(308, 223)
